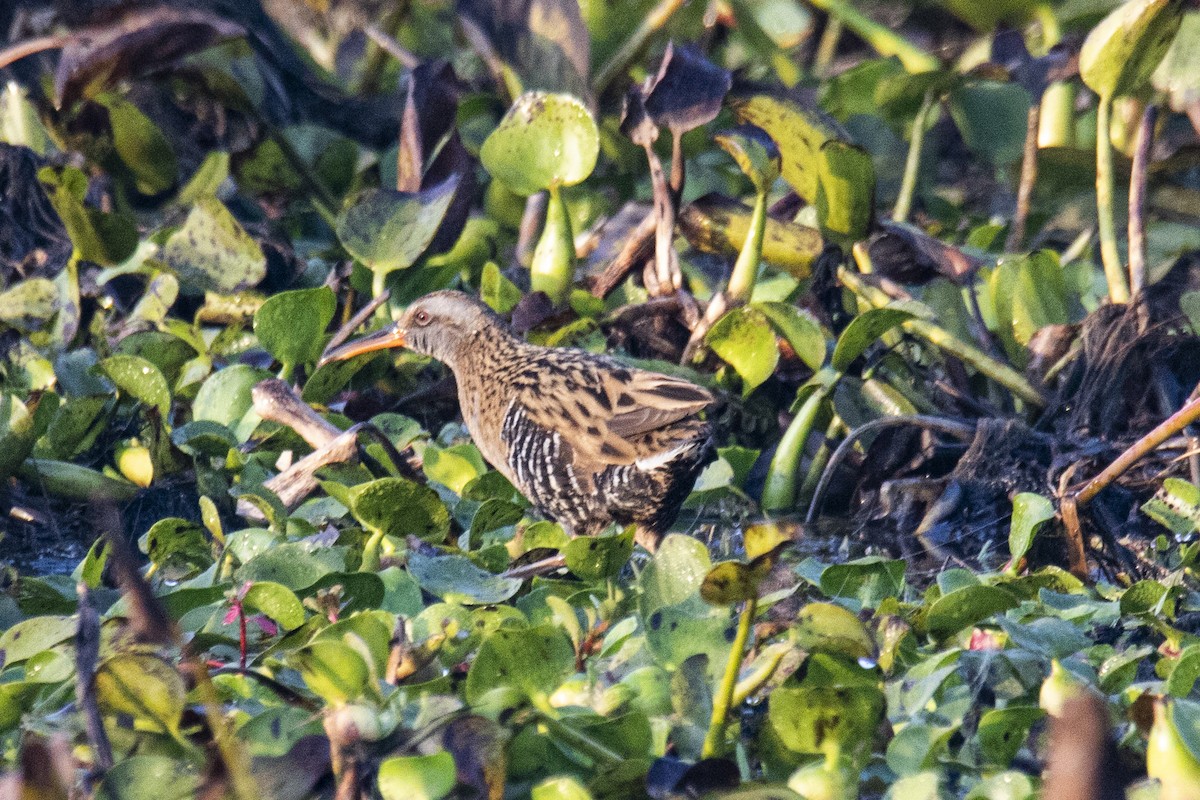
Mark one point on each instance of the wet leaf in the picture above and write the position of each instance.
(277, 602)
(533, 661)
(17, 434)
(729, 583)
(212, 252)
(544, 140)
(141, 380)
(746, 341)
(388, 230)
(801, 330)
(399, 507)
(597, 557)
(27, 638)
(225, 398)
(969, 605)
(455, 578)
(829, 628)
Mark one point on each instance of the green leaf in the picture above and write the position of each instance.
(1030, 510)
(29, 304)
(212, 252)
(1003, 731)
(277, 601)
(333, 670)
(108, 239)
(830, 628)
(74, 482)
(17, 435)
(291, 325)
(288, 563)
(967, 606)
(533, 661)
(144, 686)
(594, 558)
(388, 230)
(1175, 506)
(455, 578)
(745, 340)
(141, 380)
(417, 777)
(863, 331)
(501, 294)
(544, 140)
(728, 583)
(206, 180)
(225, 398)
(398, 507)
(29, 637)
(870, 580)
(565, 788)
(835, 705)
(991, 116)
(1121, 53)
(755, 153)
(143, 148)
(150, 777)
(801, 330)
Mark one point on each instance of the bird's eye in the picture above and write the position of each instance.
(421, 318)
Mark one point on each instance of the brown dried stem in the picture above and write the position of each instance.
(1029, 171)
(1137, 199)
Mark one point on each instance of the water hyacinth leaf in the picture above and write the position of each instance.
(1120, 54)
(863, 331)
(388, 230)
(598, 557)
(288, 563)
(206, 180)
(1148, 597)
(729, 583)
(1003, 731)
(333, 670)
(675, 573)
(139, 379)
(428, 777)
(991, 117)
(830, 628)
(501, 294)
(212, 251)
(745, 340)
(533, 661)
(398, 507)
(845, 191)
(1175, 506)
(715, 223)
(149, 777)
(144, 686)
(801, 330)
(755, 153)
(835, 706)
(678, 632)
(225, 398)
(29, 304)
(454, 467)
(29, 637)
(687, 91)
(1030, 510)
(291, 325)
(967, 606)
(455, 578)
(869, 580)
(544, 140)
(74, 482)
(17, 435)
(143, 148)
(177, 542)
(277, 602)
(564, 788)
(984, 17)
(106, 238)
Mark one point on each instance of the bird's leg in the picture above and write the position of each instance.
(647, 538)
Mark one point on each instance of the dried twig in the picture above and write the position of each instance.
(1029, 170)
(637, 248)
(355, 322)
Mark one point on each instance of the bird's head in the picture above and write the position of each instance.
(440, 324)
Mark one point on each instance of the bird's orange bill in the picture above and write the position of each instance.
(389, 337)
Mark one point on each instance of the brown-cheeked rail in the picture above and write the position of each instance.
(587, 439)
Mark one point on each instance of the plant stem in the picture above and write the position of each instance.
(1029, 170)
(939, 337)
(912, 164)
(620, 60)
(1056, 124)
(779, 491)
(827, 47)
(884, 40)
(745, 269)
(1137, 200)
(1142, 447)
(724, 697)
(553, 264)
(1114, 272)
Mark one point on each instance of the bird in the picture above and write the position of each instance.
(587, 439)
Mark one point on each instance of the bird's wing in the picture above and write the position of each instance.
(602, 409)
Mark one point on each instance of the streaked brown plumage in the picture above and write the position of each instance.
(587, 439)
